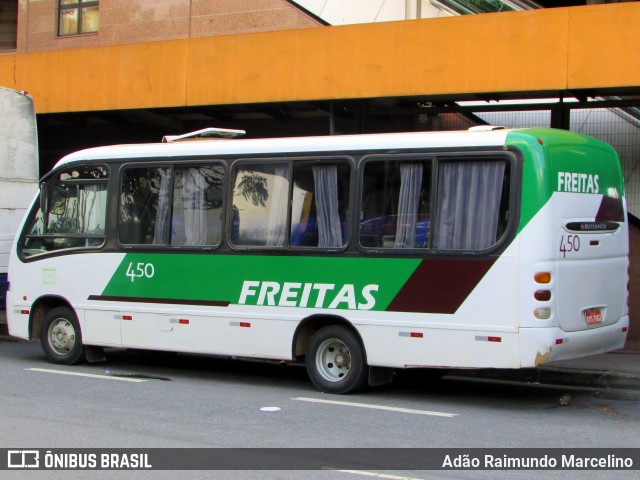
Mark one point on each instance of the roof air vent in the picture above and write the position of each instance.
(205, 133)
(485, 128)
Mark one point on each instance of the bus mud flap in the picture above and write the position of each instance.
(380, 376)
(95, 354)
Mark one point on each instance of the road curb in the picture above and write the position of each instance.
(606, 379)
(568, 377)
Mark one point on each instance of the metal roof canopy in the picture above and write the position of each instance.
(62, 133)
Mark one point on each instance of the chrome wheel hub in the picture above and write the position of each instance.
(62, 336)
(333, 360)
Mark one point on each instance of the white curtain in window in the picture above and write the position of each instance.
(92, 209)
(161, 230)
(193, 202)
(277, 217)
(408, 204)
(325, 180)
(468, 204)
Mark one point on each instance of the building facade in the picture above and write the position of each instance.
(61, 24)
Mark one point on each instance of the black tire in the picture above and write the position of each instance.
(61, 337)
(335, 361)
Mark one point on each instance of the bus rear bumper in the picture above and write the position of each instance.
(539, 346)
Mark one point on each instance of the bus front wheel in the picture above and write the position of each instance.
(61, 338)
(335, 361)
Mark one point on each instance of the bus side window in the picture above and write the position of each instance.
(469, 201)
(144, 205)
(75, 215)
(197, 206)
(320, 202)
(396, 204)
(172, 206)
(260, 198)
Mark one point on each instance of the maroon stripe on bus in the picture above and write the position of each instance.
(440, 285)
(610, 210)
(163, 301)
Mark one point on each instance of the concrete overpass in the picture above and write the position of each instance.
(577, 51)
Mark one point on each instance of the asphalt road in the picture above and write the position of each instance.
(146, 400)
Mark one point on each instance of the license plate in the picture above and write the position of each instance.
(593, 317)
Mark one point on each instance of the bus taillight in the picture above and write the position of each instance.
(542, 295)
(542, 313)
(542, 277)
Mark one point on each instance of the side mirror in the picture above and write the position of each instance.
(57, 204)
(44, 198)
(53, 199)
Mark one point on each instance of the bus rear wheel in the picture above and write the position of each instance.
(61, 338)
(335, 361)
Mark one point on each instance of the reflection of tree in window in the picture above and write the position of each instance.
(139, 204)
(77, 209)
(75, 216)
(165, 206)
(200, 188)
(260, 204)
(253, 187)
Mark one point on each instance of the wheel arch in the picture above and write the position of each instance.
(41, 307)
(310, 325)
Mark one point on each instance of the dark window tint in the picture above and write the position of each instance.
(470, 211)
(396, 204)
(179, 206)
(319, 205)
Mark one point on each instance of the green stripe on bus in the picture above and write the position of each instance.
(268, 280)
(565, 162)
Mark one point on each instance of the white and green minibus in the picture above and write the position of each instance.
(357, 255)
